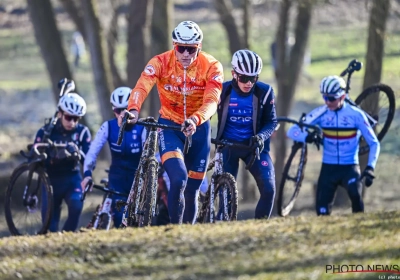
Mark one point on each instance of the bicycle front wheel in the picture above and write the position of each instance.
(380, 103)
(28, 207)
(293, 172)
(224, 205)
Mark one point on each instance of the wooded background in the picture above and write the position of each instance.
(122, 35)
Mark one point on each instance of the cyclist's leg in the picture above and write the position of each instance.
(326, 189)
(351, 181)
(58, 193)
(73, 200)
(196, 162)
(264, 173)
(121, 183)
(171, 147)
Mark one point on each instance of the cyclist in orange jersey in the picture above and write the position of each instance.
(189, 82)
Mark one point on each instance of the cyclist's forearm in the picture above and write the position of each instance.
(94, 150)
(374, 150)
(297, 134)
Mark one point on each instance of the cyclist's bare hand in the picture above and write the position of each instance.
(85, 182)
(132, 118)
(188, 127)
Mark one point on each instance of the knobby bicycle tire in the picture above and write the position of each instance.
(104, 221)
(223, 181)
(369, 91)
(44, 181)
(149, 194)
(284, 210)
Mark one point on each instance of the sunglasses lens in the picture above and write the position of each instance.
(330, 98)
(70, 118)
(118, 110)
(245, 79)
(181, 49)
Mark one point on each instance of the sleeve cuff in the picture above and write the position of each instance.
(87, 173)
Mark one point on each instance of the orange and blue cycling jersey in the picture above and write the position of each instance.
(201, 82)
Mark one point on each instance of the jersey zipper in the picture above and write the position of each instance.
(337, 136)
(184, 93)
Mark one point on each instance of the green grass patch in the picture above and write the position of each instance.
(292, 248)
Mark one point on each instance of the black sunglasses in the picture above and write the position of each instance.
(330, 98)
(118, 110)
(245, 79)
(69, 118)
(181, 49)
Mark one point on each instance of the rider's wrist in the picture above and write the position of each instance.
(194, 119)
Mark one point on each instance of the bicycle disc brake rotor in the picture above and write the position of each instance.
(32, 203)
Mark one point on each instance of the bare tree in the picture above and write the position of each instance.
(161, 29)
(49, 40)
(112, 40)
(225, 10)
(375, 50)
(98, 57)
(76, 15)
(289, 67)
(139, 40)
(246, 23)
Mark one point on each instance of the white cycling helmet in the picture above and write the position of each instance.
(120, 96)
(247, 63)
(73, 104)
(333, 85)
(187, 32)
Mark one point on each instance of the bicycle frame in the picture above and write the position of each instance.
(355, 65)
(148, 155)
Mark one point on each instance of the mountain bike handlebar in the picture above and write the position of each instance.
(151, 122)
(255, 155)
(91, 185)
(300, 123)
(34, 152)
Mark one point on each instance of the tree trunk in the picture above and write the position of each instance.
(288, 69)
(49, 40)
(139, 39)
(112, 40)
(161, 28)
(224, 9)
(246, 23)
(375, 50)
(99, 61)
(76, 15)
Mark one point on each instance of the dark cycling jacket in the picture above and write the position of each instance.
(264, 113)
(342, 130)
(61, 165)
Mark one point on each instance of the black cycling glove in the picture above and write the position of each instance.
(257, 142)
(369, 176)
(314, 137)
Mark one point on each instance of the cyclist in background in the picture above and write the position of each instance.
(246, 115)
(124, 158)
(189, 83)
(62, 167)
(342, 126)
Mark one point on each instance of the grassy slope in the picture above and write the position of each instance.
(293, 248)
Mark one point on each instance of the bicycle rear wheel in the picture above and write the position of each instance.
(28, 208)
(225, 203)
(380, 103)
(292, 172)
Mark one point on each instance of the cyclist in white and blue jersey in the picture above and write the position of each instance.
(246, 115)
(124, 158)
(342, 125)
